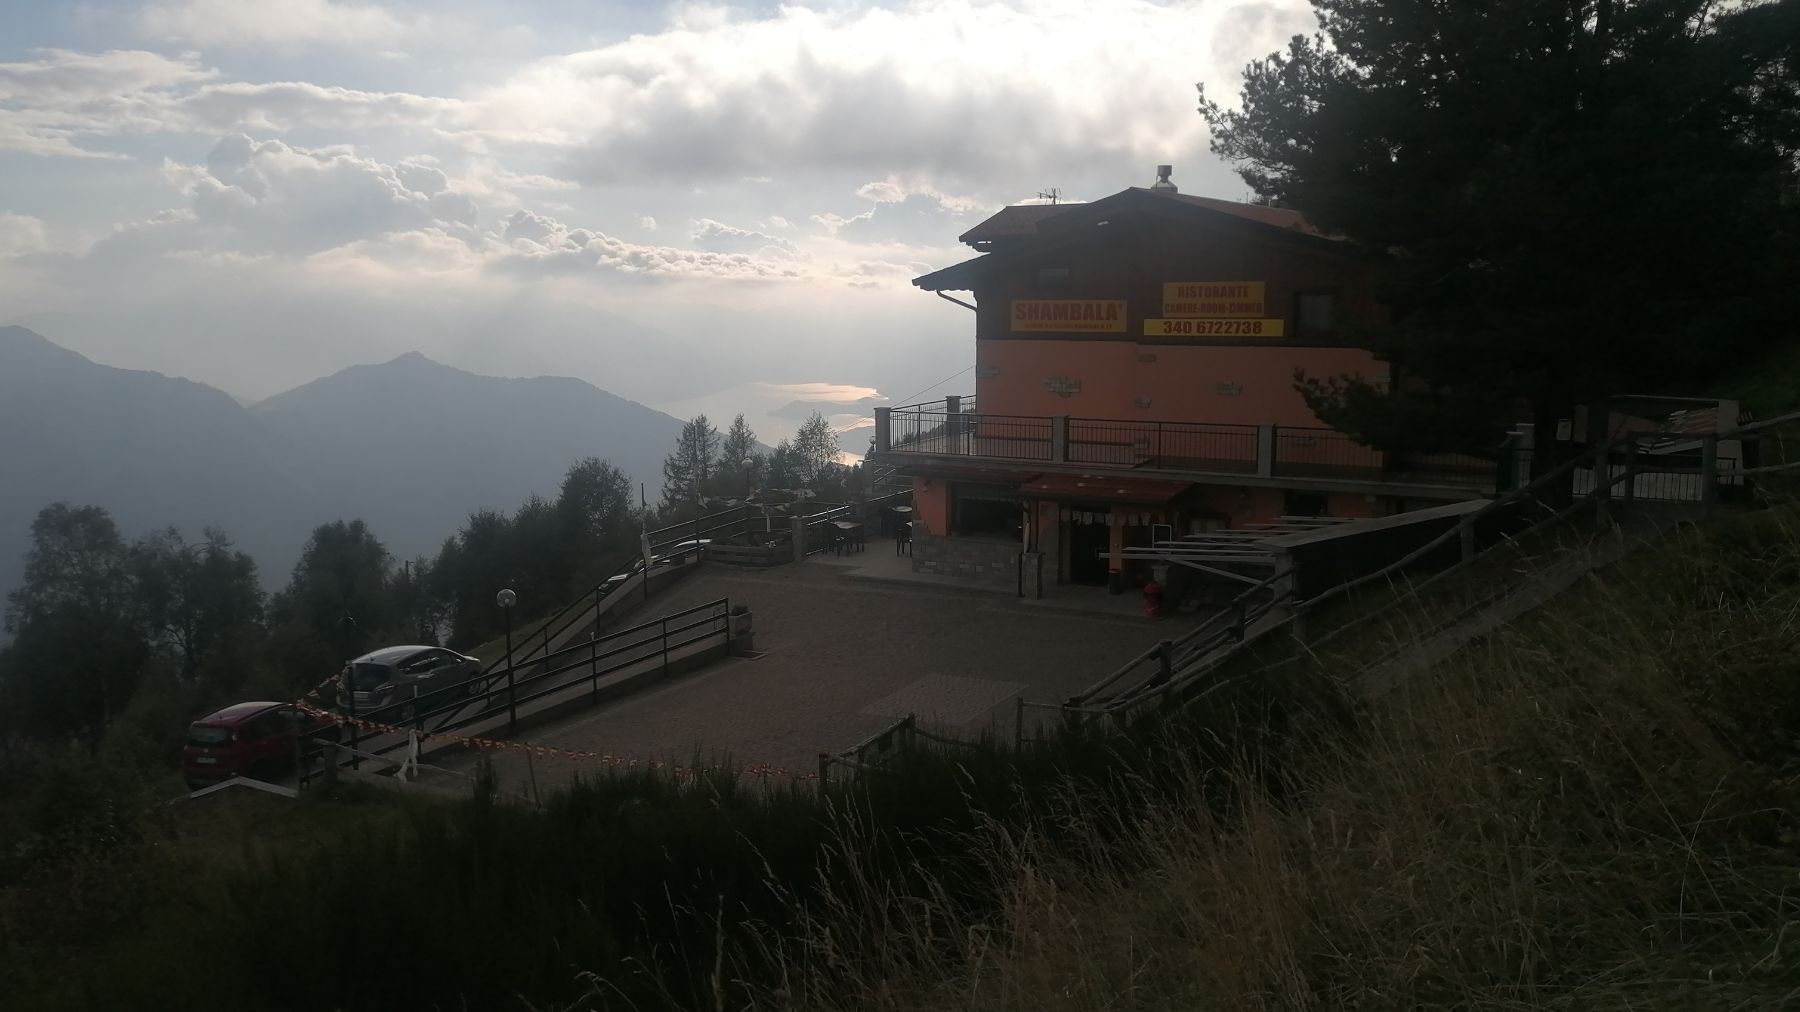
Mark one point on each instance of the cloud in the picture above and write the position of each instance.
(833, 223)
(21, 234)
(958, 91)
(273, 23)
(49, 105)
(647, 223)
(958, 100)
(539, 244)
(723, 238)
(341, 210)
(269, 196)
(894, 191)
(287, 105)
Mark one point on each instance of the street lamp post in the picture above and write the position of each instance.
(348, 676)
(506, 599)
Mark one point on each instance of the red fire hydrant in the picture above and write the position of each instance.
(1153, 598)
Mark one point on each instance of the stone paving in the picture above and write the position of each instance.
(837, 656)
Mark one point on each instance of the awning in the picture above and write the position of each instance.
(1104, 488)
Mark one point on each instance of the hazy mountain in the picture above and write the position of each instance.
(800, 411)
(410, 446)
(153, 450)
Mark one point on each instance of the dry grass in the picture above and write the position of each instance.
(1596, 809)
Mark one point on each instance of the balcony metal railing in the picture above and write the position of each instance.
(1192, 446)
(951, 428)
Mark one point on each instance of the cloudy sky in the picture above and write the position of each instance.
(682, 203)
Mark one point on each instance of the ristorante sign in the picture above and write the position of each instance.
(1088, 316)
(1193, 299)
(1217, 309)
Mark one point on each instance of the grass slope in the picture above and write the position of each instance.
(1596, 809)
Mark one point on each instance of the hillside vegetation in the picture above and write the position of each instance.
(1598, 808)
(1593, 809)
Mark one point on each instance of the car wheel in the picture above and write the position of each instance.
(407, 712)
(474, 686)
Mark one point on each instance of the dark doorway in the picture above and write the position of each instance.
(1304, 504)
(1086, 542)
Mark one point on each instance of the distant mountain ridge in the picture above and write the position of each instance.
(411, 446)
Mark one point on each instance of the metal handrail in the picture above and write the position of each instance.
(714, 618)
(576, 610)
(1243, 616)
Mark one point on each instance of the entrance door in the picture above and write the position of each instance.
(1089, 535)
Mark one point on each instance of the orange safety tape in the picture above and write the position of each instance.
(549, 751)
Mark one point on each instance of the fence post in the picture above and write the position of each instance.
(299, 753)
(1465, 532)
(1630, 472)
(547, 643)
(824, 772)
(1265, 451)
(883, 436)
(350, 694)
(1709, 469)
(1019, 723)
(594, 648)
(665, 647)
(512, 709)
(798, 524)
(1602, 490)
(1059, 438)
(1165, 661)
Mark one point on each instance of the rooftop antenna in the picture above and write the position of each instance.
(1051, 194)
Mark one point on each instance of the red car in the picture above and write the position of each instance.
(255, 740)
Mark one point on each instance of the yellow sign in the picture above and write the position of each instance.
(1215, 328)
(1212, 298)
(1097, 316)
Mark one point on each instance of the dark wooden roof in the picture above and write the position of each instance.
(1020, 220)
(1026, 228)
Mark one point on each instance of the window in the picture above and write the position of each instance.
(1315, 312)
(266, 726)
(985, 510)
(1054, 279)
(429, 661)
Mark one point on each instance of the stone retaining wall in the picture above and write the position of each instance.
(990, 563)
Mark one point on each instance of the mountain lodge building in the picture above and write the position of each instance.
(1134, 382)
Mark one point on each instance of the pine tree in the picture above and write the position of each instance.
(1566, 200)
(693, 461)
(738, 459)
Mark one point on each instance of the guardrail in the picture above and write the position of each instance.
(1174, 670)
(821, 532)
(1637, 467)
(690, 539)
(448, 709)
(1190, 447)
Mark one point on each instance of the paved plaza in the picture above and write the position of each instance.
(842, 655)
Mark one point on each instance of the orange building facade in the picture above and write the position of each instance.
(1135, 363)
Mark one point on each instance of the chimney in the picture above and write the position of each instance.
(1162, 179)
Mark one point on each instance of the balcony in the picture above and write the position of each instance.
(953, 429)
